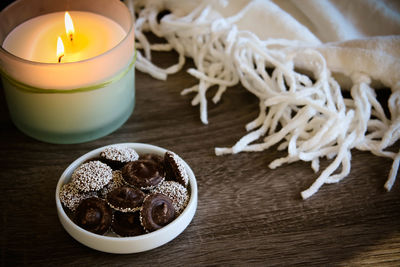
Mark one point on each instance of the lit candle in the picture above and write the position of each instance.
(69, 26)
(36, 39)
(60, 49)
(68, 77)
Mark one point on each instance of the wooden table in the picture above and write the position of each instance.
(247, 213)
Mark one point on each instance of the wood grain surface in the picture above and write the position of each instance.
(247, 214)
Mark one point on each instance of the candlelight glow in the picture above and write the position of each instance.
(60, 49)
(69, 26)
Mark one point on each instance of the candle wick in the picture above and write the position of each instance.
(59, 58)
(71, 37)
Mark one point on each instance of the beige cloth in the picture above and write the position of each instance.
(345, 32)
(235, 41)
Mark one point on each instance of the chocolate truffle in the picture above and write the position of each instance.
(127, 224)
(94, 215)
(118, 156)
(116, 181)
(125, 199)
(91, 176)
(176, 192)
(175, 168)
(143, 174)
(156, 212)
(70, 196)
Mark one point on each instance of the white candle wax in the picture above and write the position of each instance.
(36, 39)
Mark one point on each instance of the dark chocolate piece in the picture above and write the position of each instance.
(157, 159)
(94, 215)
(116, 181)
(125, 199)
(175, 168)
(156, 212)
(143, 174)
(127, 224)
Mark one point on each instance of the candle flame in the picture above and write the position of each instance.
(69, 26)
(60, 49)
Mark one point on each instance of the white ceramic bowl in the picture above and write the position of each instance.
(134, 244)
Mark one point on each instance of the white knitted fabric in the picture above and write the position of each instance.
(235, 42)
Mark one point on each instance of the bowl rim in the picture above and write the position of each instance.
(139, 146)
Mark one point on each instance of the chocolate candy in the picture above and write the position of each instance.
(156, 159)
(93, 214)
(117, 156)
(70, 196)
(175, 168)
(143, 174)
(127, 224)
(99, 198)
(125, 199)
(91, 176)
(176, 192)
(156, 212)
(116, 181)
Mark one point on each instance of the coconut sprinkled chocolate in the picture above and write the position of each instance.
(91, 176)
(123, 154)
(175, 168)
(176, 192)
(118, 156)
(70, 196)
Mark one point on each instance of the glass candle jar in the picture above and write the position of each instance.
(68, 102)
